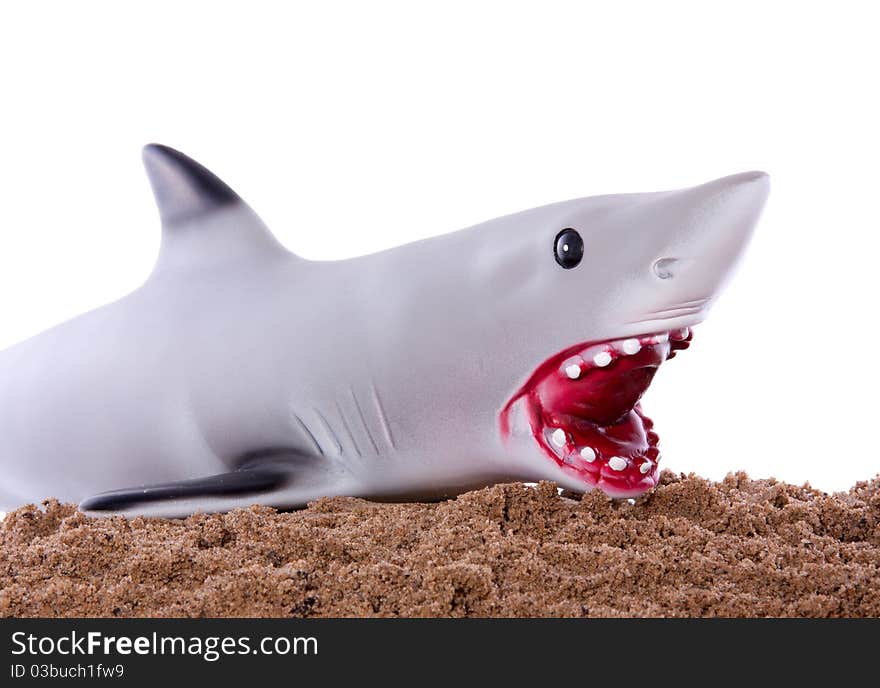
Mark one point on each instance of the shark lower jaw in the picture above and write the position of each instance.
(582, 407)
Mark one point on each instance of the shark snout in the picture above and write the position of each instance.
(702, 234)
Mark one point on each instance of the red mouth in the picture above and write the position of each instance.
(583, 409)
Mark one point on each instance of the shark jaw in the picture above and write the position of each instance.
(582, 408)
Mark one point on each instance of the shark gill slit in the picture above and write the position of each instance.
(363, 420)
(330, 433)
(383, 421)
(357, 449)
(308, 433)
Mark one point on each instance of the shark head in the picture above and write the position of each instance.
(611, 287)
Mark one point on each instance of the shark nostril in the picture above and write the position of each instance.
(663, 267)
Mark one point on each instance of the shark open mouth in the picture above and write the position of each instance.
(582, 407)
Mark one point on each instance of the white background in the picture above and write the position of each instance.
(353, 127)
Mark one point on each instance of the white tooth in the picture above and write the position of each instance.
(588, 454)
(602, 359)
(573, 370)
(558, 437)
(681, 334)
(645, 467)
(661, 338)
(617, 463)
(631, 346)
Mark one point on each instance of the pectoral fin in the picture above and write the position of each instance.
(254, 483)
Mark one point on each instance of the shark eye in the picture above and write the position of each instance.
(568, 248)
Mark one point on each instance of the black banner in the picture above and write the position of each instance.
(232, 651)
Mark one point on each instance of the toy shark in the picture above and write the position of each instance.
(240, 373)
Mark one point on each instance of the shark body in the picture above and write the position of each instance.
(240, 373)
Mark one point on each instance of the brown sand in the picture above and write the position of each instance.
(692, 548)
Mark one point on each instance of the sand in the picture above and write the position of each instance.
(740, 547)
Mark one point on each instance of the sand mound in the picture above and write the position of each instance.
(691, 548)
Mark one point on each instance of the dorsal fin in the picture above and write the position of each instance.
(183, 188)
(204, 222)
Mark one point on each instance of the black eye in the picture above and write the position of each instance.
(568, 248)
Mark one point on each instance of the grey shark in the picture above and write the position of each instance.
(240, 373)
